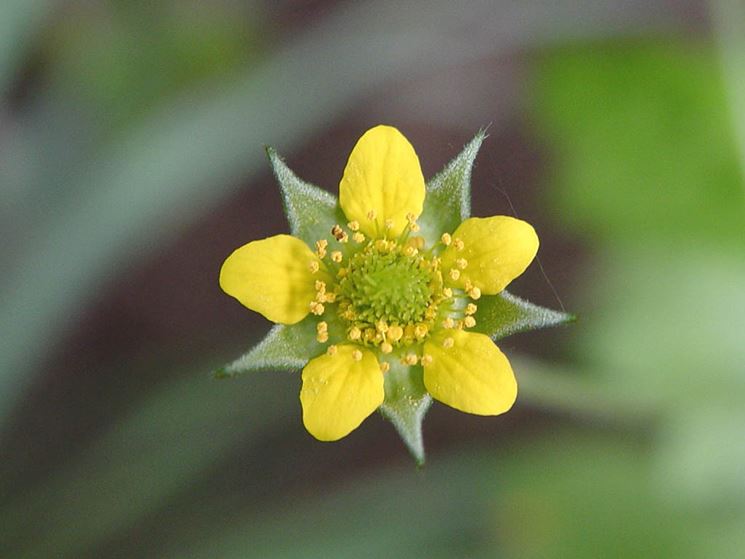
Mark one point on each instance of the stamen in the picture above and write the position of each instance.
(322, 337)
(382, 326)
(469, 322)
(471, 309)
(314, 266)
(354, 225)
(395, 333)
(337, 256)
(337, 232)
(385, 367)
(385, 347)
(316, 308)
(454, 274)
(461, 263)
(389, 223)
(447, 292)
(321, 248)
(474, 293)
(357, 355)
(322, 327)
(447, 343)
(331, 350)
(448, 323)
(446, 239)
(354, 333)
(358, 237)
(411, 359)
(420, 330)
(426, 359)
(371, 215)
(459, 244)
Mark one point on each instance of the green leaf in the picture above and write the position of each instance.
(502, 315)
(406, 403)
(285, 348)
(448, 200)
(310, 210)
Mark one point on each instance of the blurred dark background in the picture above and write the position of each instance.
(132, 164)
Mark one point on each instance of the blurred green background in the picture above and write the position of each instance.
(132, 163)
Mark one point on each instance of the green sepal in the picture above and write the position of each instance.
(311, 211)
(504, 314)
(448, 200)
(406, 403)
(285, 348)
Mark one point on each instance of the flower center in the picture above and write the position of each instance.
(389, 294)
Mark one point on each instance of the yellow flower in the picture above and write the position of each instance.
(386, 292)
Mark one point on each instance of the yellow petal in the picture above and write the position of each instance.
(496, 249)
(472, 375)
(382, 175)
(273, 277)
(339, 392)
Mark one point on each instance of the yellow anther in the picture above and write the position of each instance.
(395, 333)
(344, 237)
(337, 256)
(459, 325)
(461, 263)
(357, 355)
(446, 239)
(469, 322)
(322, 326)
(426, 359)
(431, 312)
(414, 227)
(389, 223)
(448, 323)
(470, 309)
(316, 308)
(381, 245)
(320, 286)
(385, 347)
(385, 367)
(331, 350)
(447, 343)
(468, 285)
(420, 330)
(381, 326)
(369, 334)
(358, 237)
(354, 333)
(354, 225)
(411, 359)
(321, 247)
(314, 266)
(447, 292)
(337, 232)
(371, 215)
(474, 293)
(342, 272)
(454, 274)
(459, 244)
(410, 251)
(329, 297)
(410, 217)
(322, 337)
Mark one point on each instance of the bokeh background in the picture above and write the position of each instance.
(132, 163)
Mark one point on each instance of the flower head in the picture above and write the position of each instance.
(391, 295)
